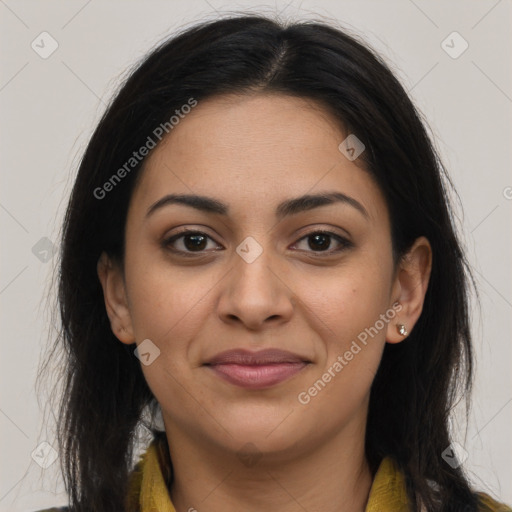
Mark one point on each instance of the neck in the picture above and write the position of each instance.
(332, 477)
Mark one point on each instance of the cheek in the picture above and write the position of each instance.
(349, 300)
(168, 307)
(354, 307)
(165, 301)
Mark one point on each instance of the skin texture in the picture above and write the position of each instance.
(252, 152)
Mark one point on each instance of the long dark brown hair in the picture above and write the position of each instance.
(105, 395)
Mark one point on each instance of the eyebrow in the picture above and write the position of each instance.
(284, 209)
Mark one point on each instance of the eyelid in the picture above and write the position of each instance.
(342, 240)
(167, 240)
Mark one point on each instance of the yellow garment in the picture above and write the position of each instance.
(387, 493)
(153, 494)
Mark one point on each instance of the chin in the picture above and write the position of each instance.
(267, 430)
(250, 446)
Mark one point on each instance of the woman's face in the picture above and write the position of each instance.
(258, 276)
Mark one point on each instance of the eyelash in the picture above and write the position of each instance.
(345, 244)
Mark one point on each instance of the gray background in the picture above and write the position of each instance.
(50, 106)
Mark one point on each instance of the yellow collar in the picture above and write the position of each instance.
(148, 491)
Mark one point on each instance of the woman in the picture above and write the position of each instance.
(259, 247)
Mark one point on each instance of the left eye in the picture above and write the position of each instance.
(321, 240)
(197, 241)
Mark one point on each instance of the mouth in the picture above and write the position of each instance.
(256, 370)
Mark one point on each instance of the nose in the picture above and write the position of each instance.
(256, 294)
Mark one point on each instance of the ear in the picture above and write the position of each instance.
(410, 287)
(112, 281)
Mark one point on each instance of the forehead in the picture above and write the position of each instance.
(252, 151)
(267, 128)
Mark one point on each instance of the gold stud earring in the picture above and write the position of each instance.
(401, 329)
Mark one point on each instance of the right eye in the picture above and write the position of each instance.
(189, 242)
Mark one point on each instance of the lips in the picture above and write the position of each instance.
(263, 357)
(256, 370)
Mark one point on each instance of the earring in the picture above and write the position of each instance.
(401, 329)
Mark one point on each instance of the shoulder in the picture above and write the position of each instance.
(488, 504)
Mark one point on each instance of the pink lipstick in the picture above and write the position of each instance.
(256, 370)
